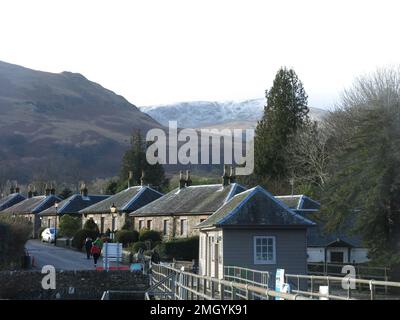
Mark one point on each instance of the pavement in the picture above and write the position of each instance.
(60, 258)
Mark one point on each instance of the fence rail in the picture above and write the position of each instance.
(169, 283)
(335, 269)
(332, 282)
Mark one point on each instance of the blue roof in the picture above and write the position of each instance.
(10, 200)
(74, 204)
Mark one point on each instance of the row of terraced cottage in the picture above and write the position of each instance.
(236, 226)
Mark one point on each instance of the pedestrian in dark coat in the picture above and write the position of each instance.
(95, 251)
(88, 246)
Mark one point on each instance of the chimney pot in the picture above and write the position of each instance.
(142, 178)
(17, 190)
(84, 190)
(225, 177)
(232, 177)
(188, 182)
(181, 180)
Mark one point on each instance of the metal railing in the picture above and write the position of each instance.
(169, 283)
(335, 269)
(335, 284)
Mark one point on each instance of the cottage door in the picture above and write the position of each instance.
(209, 256)
(216, 260)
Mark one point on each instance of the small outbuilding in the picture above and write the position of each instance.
(253, 230)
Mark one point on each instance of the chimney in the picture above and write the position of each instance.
(47, 191)
(12, 190)
(17, 190)
(84, 190)
(142, 178)
(225, 178)
(188, 182)
(232, 177)
(181, 180)
(30, 193)
(130, 176)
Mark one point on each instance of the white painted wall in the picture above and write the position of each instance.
(359, 255)
(315, 255)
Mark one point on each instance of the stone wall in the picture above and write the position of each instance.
(86, 284)
(107, 218)
(173, 224)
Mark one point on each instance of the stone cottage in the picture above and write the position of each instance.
(13, 198)
(123, 203)
(71, 206)
(32, 206)
(176, 213)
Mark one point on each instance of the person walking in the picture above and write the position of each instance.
(95, 251)
(98, 243)
(88, 246)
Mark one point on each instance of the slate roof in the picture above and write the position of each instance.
(318, 237)
(300, 202)
(127, 200)
(10, 200)
(73, 204)
(33, 205)
(199, 199)
(255, 207)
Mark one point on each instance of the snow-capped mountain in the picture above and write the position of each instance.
(202, 114)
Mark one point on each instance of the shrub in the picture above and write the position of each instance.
(69, 226)
(14, 233)
(136, 246)
(91, 225)
(128, 225)
(80, 237)
(149, 235)
(126, 237)
(181, 249)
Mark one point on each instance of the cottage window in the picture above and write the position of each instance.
(149, 224)
(183, 227)
(141, 224)
(264, 250)
(165, 227)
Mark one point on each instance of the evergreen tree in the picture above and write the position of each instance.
(134, 160)
(286, 111)
(364, 188)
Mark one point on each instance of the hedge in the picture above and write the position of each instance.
(14, 233)
(149, 235)
(133, 248)
(126, 237)
(180, 249)
(79, 238)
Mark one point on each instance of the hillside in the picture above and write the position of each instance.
(62, 125)
(228, 114)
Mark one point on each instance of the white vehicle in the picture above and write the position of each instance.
(48, 235)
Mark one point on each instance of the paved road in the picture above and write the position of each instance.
(60, 258)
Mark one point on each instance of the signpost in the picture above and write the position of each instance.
(279, 281)
(112, 252)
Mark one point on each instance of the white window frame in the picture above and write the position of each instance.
(257, 261)
(141, 224)
(165, 227)
(149, 224)
(184, 230)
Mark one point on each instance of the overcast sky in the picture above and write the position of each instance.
(156, 52)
